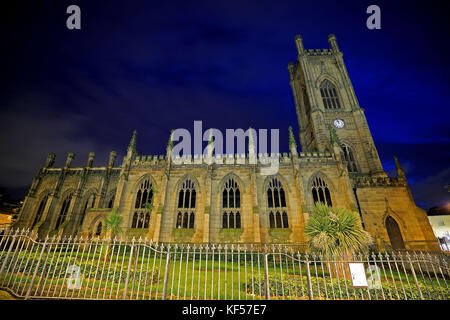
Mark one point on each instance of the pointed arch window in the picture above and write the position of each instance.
(231, 205)
(186, 205)
(321, 192)
(40, 211)
(89, 203)
(276, 202)
(143, 205)
(349, 157)
(329, 95)
(110, 201)
(63, 211)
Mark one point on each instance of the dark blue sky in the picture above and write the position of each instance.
(156, 66)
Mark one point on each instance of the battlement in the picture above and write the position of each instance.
(315, 155)
(366, 182)
(149, 159)
(261, 158)
(235, 159)
(318, 52)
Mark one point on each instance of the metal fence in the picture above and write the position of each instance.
(79, 268)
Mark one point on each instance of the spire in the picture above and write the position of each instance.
(132, 144)
(170, 143)
(90, 159)
(251, 142)
(299, 44)
(112, 158)
(210, 141)
(333, 43)
(208, 155)
(398, 167)
(169, 148)
(50, 160)
(292, 143)
(251, 146)
(291, 138)
(69, 159)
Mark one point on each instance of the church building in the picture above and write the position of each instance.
(230, 201)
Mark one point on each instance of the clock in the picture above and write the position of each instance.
(338, 123)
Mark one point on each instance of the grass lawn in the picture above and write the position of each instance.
(236, 277)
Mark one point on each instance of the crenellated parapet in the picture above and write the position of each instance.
(220, 159)
(369, 182)
(149, 159)
(306, 158)
(236, 159)
(318, 52)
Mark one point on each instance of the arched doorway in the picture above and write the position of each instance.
(98, 230)
(395, 235)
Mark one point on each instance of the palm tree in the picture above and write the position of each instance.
(113, 223)
(336, 232)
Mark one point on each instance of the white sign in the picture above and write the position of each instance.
(358, 274)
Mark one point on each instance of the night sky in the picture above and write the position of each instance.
(157, 66)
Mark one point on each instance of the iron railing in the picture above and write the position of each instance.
(139, 269)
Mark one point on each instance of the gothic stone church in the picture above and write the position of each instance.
(229, 200)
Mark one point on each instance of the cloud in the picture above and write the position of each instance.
(426, 167)
(431, 191)
(27, 136)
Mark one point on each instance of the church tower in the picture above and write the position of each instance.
(325, 100)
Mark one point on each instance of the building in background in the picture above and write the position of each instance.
(440, 222)
(230, 201)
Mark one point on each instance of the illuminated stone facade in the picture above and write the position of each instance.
(230, 201)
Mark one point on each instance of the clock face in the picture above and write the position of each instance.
(338, 123)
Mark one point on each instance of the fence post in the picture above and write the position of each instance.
(11, 245)
(308, 279)
(166, 274)
(266, 274)
(125, 289)
(414, 275)
(27, 296)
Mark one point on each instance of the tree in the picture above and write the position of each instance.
(113, 224)
(335, 231)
